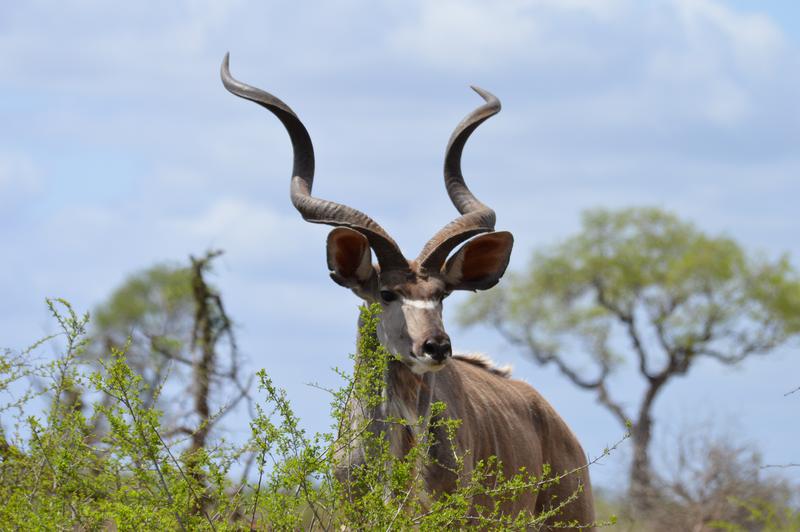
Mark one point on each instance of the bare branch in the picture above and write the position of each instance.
(614, 407)
(661, 333)
(628, 319)
(544, 357)
(744, 350)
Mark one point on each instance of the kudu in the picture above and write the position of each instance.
(499, 416)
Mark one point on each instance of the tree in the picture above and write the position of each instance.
(171, 321)
(644, 278)
(152, 313)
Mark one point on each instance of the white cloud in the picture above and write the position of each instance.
(754, 40)
(438, 33)
(473, 33)
(252, 232)
(103, 47)
(713, 59)
(20, 179)
(481, 35)
(704, 56)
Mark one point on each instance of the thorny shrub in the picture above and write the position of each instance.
(58, 473)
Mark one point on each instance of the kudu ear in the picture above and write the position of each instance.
(480, 263)
(350, 258)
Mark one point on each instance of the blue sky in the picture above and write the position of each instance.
(120, 148)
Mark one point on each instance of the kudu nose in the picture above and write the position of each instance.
(438, 347)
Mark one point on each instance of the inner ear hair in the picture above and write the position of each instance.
(349, 257)
(480, 263)
(479, 259)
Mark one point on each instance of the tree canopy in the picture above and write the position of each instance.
(170, 320)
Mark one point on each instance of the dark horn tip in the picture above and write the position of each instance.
(490, 98)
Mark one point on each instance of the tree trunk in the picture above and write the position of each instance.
(641, 490)
(641, 478)
(204, 339)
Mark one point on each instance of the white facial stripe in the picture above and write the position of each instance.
(428, 304)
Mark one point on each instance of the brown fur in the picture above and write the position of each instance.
(500, 417)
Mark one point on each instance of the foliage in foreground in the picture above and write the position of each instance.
(58, 473)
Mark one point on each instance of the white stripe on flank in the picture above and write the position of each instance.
(428, 304)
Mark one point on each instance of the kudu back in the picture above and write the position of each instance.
(499, 416)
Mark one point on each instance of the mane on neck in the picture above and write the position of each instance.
(484, 362)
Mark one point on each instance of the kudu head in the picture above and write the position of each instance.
(410, 292)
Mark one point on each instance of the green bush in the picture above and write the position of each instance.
(763, 515)
(59, 472)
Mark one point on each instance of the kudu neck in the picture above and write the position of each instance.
(406, 394)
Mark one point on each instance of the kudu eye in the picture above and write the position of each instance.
(388, 296)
